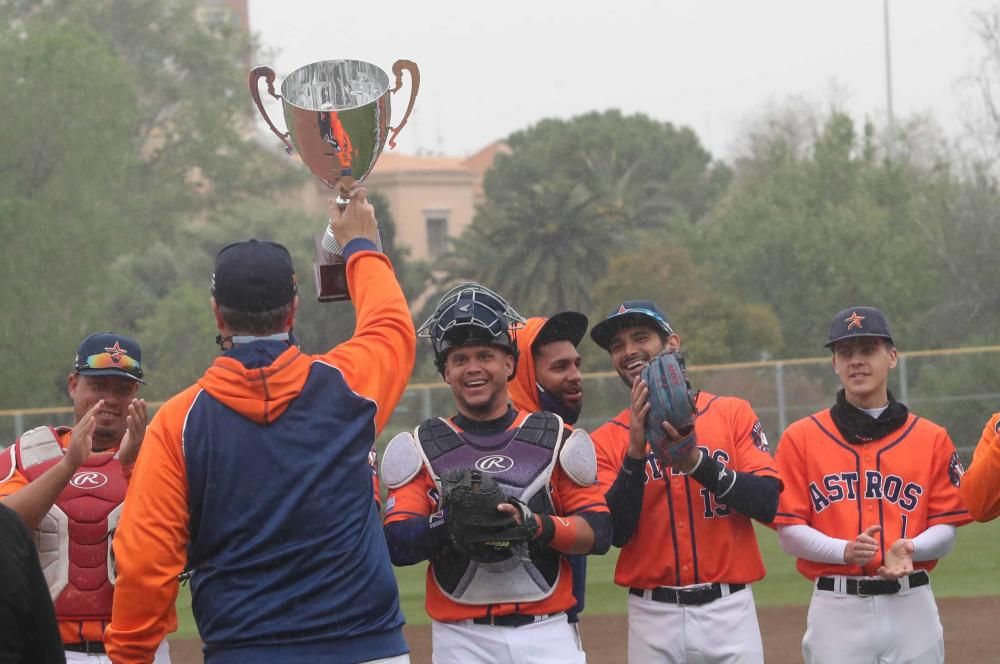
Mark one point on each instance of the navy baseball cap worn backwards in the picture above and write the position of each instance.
(109, 354)
(858, 322)
(568, 326)
(253, 276)
(630, 313)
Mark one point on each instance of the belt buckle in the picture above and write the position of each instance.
(692, 595)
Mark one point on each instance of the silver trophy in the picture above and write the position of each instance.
(337, 113)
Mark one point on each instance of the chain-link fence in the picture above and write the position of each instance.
(954, 387)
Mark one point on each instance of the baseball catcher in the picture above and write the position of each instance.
(485, 497)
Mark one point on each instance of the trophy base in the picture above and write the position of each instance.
(331, 274)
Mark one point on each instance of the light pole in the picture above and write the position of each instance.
(888, 81)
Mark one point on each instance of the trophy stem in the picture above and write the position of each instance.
(330, 271)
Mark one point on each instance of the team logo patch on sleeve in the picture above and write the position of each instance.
(759, 439)
(955, 469)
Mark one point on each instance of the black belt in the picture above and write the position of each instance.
(511, 620)
(86, 647)
(869, 587)
(688, 596)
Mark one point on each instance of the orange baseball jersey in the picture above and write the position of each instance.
(904, 482)
(684, 535)
(980, 486)
(180, 500)
(71, 631)
(421, 497)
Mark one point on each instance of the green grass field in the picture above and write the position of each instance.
(972, 569)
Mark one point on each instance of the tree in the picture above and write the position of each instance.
(125, 123)
(713, 326)
(813, 224)
(570, 194)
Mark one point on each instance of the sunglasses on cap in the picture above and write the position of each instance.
(109, 361)
(652, 314)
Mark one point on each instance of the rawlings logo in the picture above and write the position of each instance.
(89, 480)
(495, 463)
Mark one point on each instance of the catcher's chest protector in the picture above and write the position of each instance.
(74, 537)
(522, 467)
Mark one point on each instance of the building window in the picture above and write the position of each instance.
(437, 232)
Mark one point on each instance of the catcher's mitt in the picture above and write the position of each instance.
(670, 401)
(475, 526)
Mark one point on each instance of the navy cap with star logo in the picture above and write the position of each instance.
(109, 354)
(858, 322)
(630, 313)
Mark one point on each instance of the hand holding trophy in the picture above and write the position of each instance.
(337, 113)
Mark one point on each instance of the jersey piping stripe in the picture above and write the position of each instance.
(944, 514)
(617, 423)
(857, 467)
(673, 530)
(792, 516)
(760, 470)
(878, 469)
(583, 509)
(694, 541)
(707, 406)
(422, 516)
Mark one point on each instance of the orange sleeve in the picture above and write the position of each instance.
(944, 505)
(150, 543)
(378, 360)
(752, 452)
(569, 498)
(610, 443)
(793, 504)
(418, 497)
(980, 486)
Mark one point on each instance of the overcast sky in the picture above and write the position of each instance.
(491, 68)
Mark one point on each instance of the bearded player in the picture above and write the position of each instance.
(512, 609)
(551, 380)
(870, 504)
(689, 552)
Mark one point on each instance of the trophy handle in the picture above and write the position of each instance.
(397, 68)
(255, 75)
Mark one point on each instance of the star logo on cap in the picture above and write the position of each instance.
(622, 309)
(854, 320)
(115, 351)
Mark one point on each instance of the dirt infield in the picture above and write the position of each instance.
(968, 624)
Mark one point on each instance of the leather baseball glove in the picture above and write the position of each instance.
(475, 526)
(670, 401)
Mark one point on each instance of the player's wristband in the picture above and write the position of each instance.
(556, 532)
(714, 475)
(632, 466)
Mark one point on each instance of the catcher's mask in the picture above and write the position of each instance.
(472, 315)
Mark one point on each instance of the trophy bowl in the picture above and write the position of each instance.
(337, 113)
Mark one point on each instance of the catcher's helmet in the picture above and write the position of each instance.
(471, 315)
